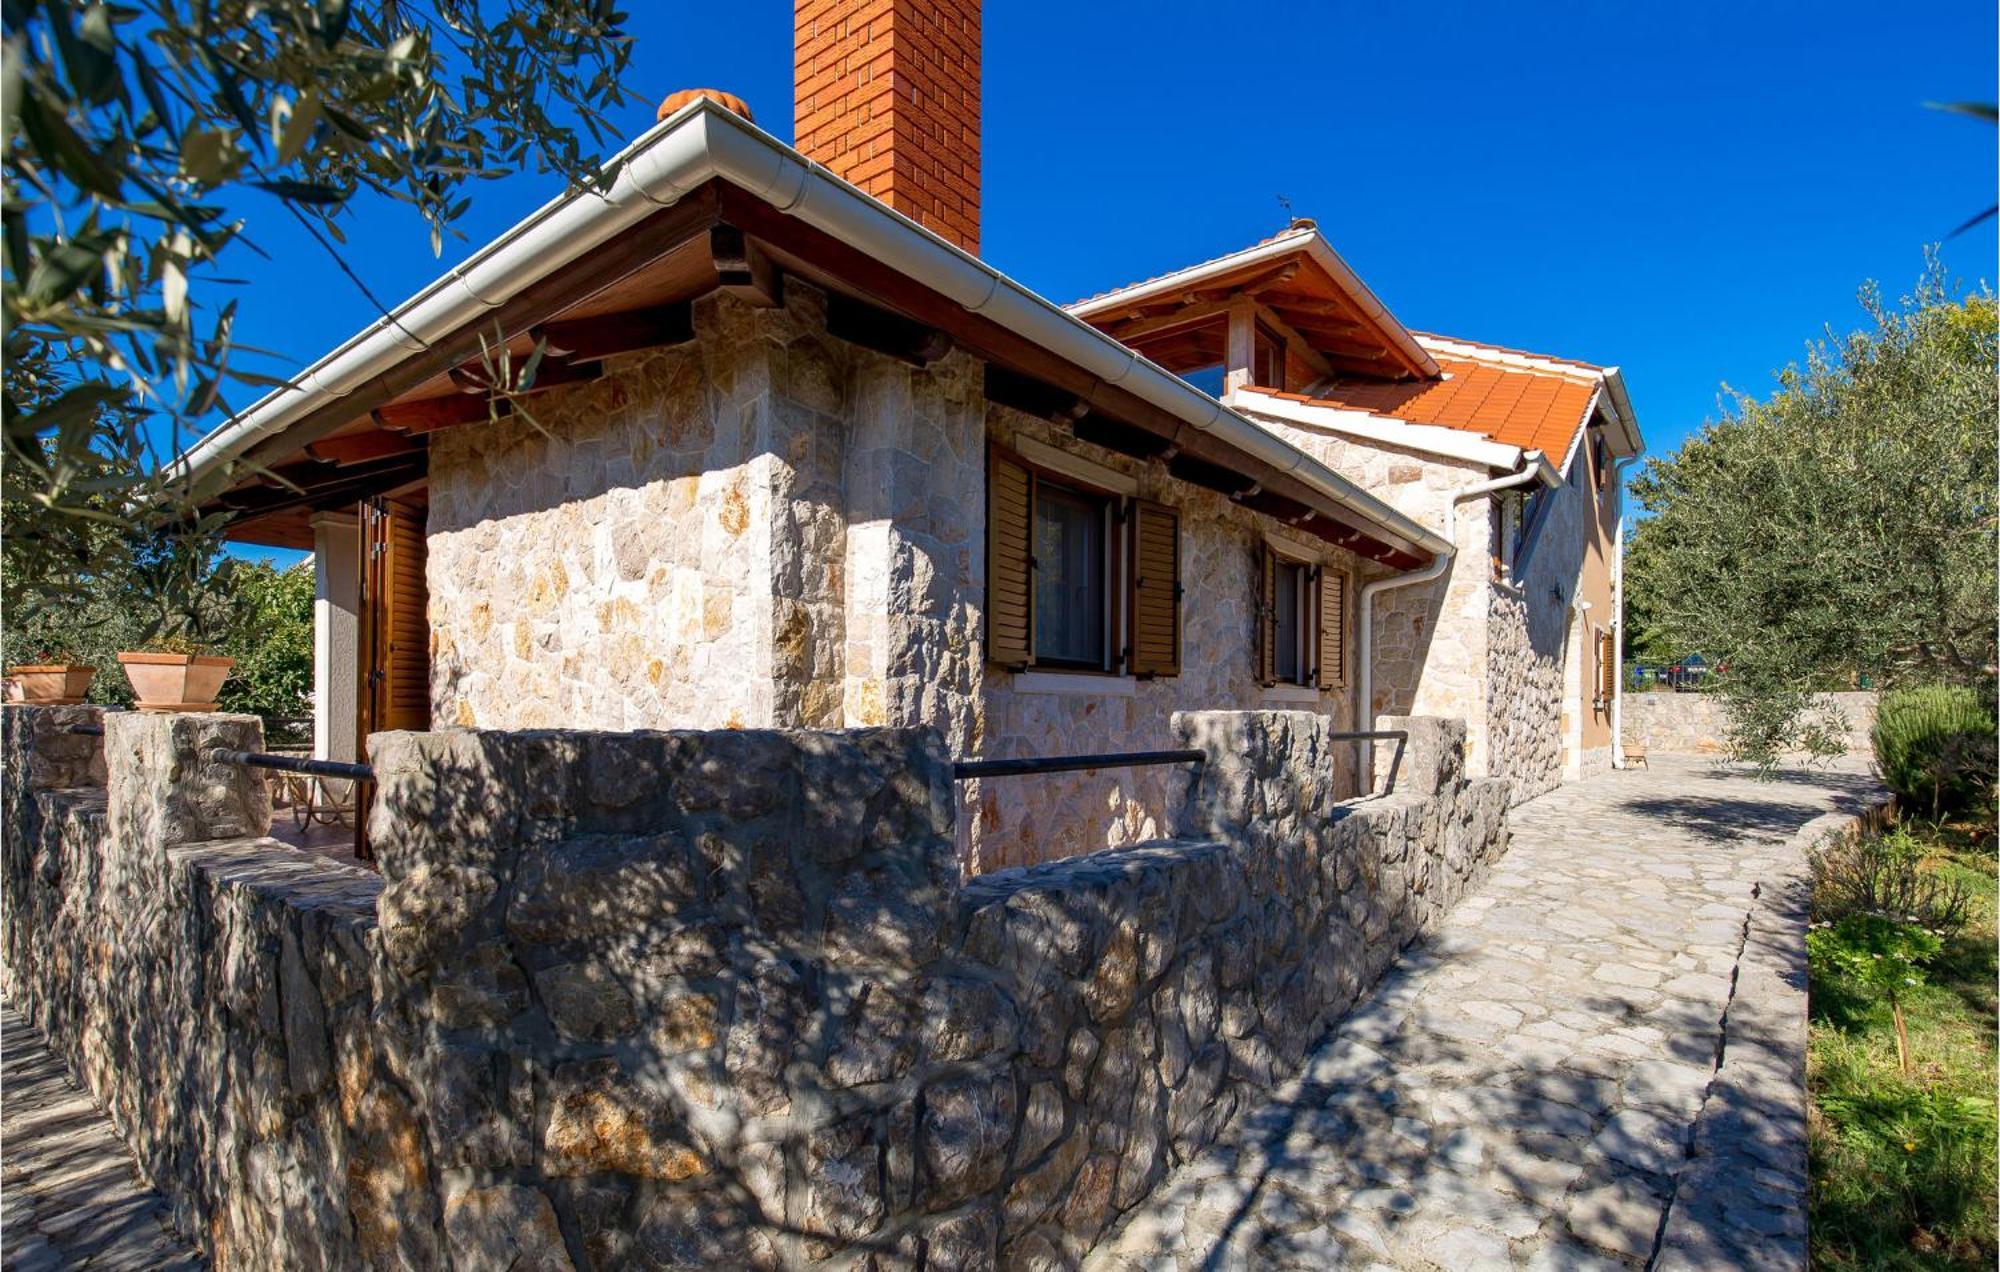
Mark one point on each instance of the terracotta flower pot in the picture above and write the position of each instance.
(176, 682)
(50, 684)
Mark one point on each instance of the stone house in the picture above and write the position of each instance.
(754, 438)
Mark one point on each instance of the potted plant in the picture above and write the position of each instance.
(175, 675)
(54, 679)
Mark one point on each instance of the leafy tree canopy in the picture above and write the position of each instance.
(131, 133)
(1842, 526)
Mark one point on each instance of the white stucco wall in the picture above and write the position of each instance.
(336, 634)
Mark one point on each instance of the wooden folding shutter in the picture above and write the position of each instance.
(395, 623)
(1332, 587)
(1607, 675)
(1010, 575)
(1267, 615)
(1156, 590)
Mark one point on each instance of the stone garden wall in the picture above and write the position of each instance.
(1697, 724)
(212, 988)
(665, 999)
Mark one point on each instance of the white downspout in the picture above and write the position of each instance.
(1618, 617)
(1364, 713)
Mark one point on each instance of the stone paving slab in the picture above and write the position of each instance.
(1524, 1091)
(69, 1196)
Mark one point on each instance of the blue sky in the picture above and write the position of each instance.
(1687, 191)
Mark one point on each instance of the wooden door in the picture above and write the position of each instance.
(395, 636)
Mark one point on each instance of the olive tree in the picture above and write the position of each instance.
(1842, 526)
(133, 134)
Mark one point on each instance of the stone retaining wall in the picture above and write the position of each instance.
(1697, 724)
(643, 1000)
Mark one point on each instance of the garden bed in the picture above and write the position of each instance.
(1902, 1163)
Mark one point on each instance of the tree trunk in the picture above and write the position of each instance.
(1902, 1034)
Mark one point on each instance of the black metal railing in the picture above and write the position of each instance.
(966, 770)
(1028, 766)
(294, 764)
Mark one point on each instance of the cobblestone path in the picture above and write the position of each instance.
(1523, 1091)
(69, 1197)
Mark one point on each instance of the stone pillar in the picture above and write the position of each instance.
(336, 633)
(915, 574)
(44, 755)
(165, 790)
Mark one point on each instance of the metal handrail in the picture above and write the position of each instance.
(294, 764)
(966, 770)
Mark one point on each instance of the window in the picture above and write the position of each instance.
(1288, 666)
(1072, 592)
(1301, 623)
(1081, 573)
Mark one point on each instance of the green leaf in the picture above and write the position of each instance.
(63, 268)
(316, 193)
(210, 156)
(58, 145)
(74, 406)
(299, 128)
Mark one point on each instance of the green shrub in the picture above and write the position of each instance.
(1935, 746)
(1885, 874)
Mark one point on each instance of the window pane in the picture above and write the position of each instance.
(1069, 577)
(1288, 621)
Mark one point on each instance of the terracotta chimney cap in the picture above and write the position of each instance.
(728, 101)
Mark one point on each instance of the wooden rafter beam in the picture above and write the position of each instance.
(858, 322)
(478, 378)
(1130, 329)
(589, 339)
(356, 448)
(743, 268)
(427, 415)
(1034, 397)
(343, 485)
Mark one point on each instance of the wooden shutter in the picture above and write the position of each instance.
(1607, 672)
(1010, 574)
(395, 622)
(1266, 619)
(1156, 590)
(1332, 588)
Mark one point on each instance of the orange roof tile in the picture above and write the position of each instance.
(1534, 410)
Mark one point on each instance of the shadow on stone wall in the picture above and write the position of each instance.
(661, 999)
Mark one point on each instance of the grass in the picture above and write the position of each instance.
(1903, 1173)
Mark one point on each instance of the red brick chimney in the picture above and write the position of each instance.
(888, 98)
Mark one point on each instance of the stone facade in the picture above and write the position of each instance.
(1023, 820)
(770, 528)
(1516, 663)
(1698, 723)
(660, 999)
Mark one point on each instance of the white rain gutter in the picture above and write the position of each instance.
(1435, 439)
(696, 144)
(1532, 463)
(1323, 255)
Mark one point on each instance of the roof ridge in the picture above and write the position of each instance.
(1434, 337)
(1299, 225)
